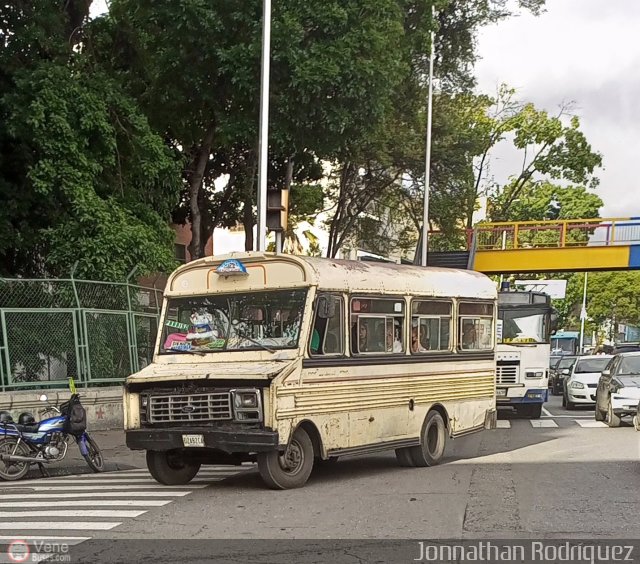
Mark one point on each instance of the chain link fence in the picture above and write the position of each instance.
(96, 332)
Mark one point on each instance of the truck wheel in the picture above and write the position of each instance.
(432, 441)
(170, 468)
(290, 469)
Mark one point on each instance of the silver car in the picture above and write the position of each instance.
(618, 392)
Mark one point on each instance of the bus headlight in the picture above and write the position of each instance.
(247, 405)
(534, 374)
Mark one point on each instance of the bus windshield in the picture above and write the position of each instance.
(226, 322)
(524, 326)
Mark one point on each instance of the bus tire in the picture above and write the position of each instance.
(170, 468)
(432, 441)
(291, 469)
(403, 455)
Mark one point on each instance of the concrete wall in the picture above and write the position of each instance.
(103, 405)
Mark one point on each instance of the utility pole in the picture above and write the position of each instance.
(427, 166)
(263, 147)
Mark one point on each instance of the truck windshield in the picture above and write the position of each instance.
(255, 320)
(524, 326)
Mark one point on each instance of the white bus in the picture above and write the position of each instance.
(523, 351)
(291, 360)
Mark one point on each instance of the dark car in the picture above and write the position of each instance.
(558, 373)
(618, 392)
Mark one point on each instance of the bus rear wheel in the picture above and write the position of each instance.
(432, 442)
(291, 468)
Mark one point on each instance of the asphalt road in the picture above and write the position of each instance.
(563, 476)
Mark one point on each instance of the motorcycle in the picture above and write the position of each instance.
(29, 442)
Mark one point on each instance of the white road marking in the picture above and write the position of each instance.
(67, 488)
(66, 495)
(58, 525)
(591, 423)
(139, 482)
(547, 413)
(67, 540)
(89, 503)
(570, 416)
(537, 423)
(118, 514)
(503, 424)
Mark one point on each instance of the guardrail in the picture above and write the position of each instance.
(570, 233)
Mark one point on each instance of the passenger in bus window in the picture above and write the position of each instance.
(393, 339)
(416, 346)
(469, 336)
(363, 337)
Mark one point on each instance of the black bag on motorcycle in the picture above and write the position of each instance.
(76, 421)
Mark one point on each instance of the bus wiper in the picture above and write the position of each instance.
(261, 345)
(199, 353)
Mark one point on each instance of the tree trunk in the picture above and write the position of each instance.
(196, 247)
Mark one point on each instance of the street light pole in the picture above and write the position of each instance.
(583, 312)
(427, 166)
(263, 147)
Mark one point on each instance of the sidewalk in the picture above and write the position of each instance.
(114, 451)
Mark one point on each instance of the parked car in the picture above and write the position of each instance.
(618, 391)
(561, 370)
(580, 386)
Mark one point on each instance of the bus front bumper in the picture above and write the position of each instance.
(532, 395)
(234, 440)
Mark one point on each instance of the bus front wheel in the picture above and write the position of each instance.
(432, 441)
(291, 468)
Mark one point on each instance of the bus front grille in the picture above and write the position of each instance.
(214, 406)
(506, 374)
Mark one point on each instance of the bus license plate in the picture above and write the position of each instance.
(501, 392)
(193, 440)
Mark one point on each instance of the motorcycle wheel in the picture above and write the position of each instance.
(94, 456)
(13, 470)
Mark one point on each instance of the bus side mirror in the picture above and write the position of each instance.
(606, 372)
(326, 307)
(566, 371)
(554, 323)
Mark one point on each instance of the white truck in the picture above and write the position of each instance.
(523, 350)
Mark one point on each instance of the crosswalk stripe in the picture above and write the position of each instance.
(66, 495)
(117, 513)
(141, 482)
(101, 487)
(44, 538)
(591, 424)
(59, 525)
(538, 423)
(90, 503)
(502, 424)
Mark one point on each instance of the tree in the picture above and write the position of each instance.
(85, 178)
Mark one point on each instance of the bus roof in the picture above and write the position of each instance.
(337, 275)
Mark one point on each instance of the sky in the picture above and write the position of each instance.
(586, 52)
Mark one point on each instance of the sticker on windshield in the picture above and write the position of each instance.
(177, 325)
(180, 346)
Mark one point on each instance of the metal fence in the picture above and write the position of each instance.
(96, 332)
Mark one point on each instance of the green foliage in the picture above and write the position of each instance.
(85, 177)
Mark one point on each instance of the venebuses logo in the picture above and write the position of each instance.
(18, 551)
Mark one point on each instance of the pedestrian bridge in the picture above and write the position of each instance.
(556, 246)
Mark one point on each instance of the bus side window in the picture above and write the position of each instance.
(327, 334)
(476, 326)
